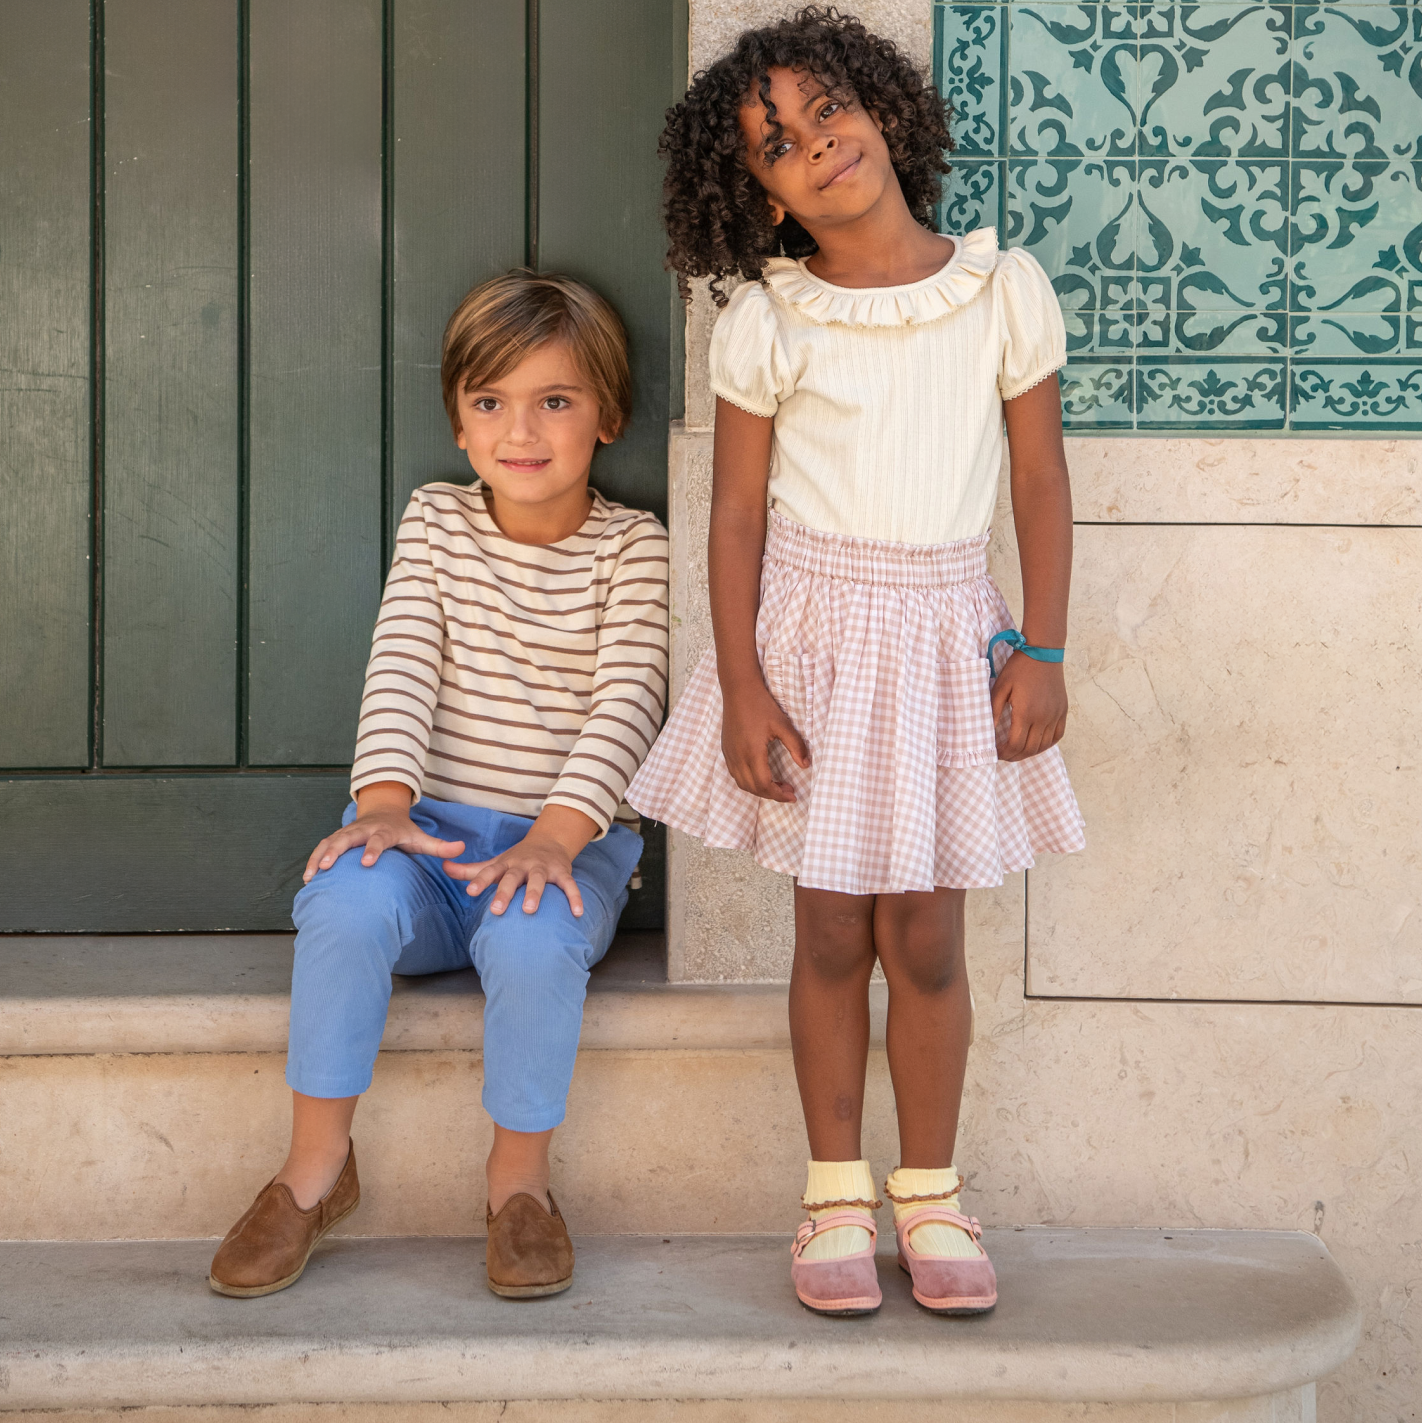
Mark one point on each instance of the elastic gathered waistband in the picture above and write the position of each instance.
(883, 561)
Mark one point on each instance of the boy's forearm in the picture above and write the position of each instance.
(570, 828)
(384, 795)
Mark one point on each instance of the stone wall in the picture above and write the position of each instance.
(1209, 1017)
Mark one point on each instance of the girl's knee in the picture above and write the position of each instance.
(836, 942)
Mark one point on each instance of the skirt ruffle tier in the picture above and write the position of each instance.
(877, 652)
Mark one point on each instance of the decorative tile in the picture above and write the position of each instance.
(972, 42)
(1097, 394)
(1201, 393)
(1072, 81)
(1354, 68)
(972, 197)
(1351, 395)
(1227, 197)
(1215, 83)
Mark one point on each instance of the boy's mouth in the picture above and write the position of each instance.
(526, 466)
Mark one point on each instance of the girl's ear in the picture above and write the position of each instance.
(777, 213)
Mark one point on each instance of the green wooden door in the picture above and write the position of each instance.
(230, 234)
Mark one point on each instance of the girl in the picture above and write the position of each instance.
(870, 722)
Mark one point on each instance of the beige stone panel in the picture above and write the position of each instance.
(1294, 1407)
(168, 1145)
(715, 24)
(1244, 744)
(1143, 480)
(1266, 1116)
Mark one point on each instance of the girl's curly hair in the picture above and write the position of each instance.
(717, 214)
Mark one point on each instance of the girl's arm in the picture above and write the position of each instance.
(1041, 510)
(753, 718)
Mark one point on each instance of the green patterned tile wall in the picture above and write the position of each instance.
(1228, 198)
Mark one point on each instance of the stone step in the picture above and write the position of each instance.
(142, 1078)
(1237, 1324)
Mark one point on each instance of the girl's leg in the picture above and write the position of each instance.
(829, 1016)
(829, 1032)
(919, 940)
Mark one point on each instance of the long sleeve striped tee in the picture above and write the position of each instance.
(514, 676)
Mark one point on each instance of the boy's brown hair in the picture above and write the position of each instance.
(502, 320)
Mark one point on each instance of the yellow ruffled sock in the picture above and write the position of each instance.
(935, 1237)
(831, 1181)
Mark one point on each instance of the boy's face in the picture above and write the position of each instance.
(829, 163)
(531, 435)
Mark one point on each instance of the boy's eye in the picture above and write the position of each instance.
(486, 404)
(557, 402)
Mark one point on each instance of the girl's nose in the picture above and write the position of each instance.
(825, 147)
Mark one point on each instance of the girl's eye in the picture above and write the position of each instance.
(831, 108)
(779, 151)
(486, 404)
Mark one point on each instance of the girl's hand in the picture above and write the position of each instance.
(753, 720)
(383, 824)
(1036, 692)
(544, 856)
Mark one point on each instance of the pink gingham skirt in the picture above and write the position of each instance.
(877, 652)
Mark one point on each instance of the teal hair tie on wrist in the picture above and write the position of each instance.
(1018, 643)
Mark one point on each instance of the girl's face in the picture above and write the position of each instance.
(531, 435)
(828, 164)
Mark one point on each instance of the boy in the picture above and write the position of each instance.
(515, 683)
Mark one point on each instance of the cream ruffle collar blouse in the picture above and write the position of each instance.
(888, 400)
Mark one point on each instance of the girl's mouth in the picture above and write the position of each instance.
(840, 173)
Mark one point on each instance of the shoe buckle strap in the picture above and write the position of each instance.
(807, 1229)
(914, 1219)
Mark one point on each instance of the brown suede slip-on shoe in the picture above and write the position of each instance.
(268, 1248)
(529, 1252)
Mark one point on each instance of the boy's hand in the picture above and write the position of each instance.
(753, 719)
(383, 823)
(1036, 692)
(544, 856)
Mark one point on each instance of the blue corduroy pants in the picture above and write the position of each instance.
(357, 925)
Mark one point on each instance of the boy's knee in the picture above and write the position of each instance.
(355, 903)
(514, 949)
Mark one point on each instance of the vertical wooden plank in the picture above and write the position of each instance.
(314, 395)
(458, 192)
(602, 81)
(44, 384)
(171, 541)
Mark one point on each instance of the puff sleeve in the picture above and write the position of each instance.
(1033, 333)
(749, 364)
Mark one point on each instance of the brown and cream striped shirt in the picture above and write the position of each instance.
(515, 676)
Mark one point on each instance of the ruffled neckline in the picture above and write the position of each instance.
(953, 285)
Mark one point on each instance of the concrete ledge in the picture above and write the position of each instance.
(216, 993)
(1100, 1316)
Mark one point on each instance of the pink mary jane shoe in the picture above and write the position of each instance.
(848, 1285)
(943, 1283)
